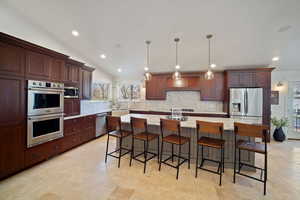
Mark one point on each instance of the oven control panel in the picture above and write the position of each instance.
(44, 84)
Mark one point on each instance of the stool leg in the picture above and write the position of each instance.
(234, 165)
(221, 168)
(197, 157)
(120, 152)
(239, 160)
(146, 151)
(189, 155)
(265, 178)
(223, 159)
(161, 151)
(179, 154)
(202, 156)
(158, 150)
(132, 151)
(106, 148)
(172, 152)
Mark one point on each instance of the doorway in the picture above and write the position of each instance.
(293, 106)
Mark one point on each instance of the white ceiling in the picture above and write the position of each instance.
(246, 32)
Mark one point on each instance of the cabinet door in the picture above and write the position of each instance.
(12, 60)
(38, 65)
(57, 70)
(12, 146)
(75, 71)
(86, 89)
(12, 101)
(212, 90)
(71, 107)
(156, 88)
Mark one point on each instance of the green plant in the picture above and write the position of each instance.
(278, 123)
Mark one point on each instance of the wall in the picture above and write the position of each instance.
(16, 25)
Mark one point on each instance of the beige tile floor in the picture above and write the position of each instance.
(82, 174)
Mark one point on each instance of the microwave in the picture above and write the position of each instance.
(71, 92)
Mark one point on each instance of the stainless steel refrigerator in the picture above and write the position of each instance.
(246, 103)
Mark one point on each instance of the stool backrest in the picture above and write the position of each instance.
(138, 123)
(210, 128)
(113, 123)
(251, 130)
(170, 125)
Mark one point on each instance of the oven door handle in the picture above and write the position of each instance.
(46, 116)
(47, 90)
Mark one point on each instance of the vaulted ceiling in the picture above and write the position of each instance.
(246, 33)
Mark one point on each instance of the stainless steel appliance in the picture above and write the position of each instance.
(44, 128)
(45, 112)
(45, 97)
(71, 92)
(101, 124)
(246, 102)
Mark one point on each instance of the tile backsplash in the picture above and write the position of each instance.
(177, 99)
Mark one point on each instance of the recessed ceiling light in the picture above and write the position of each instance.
(275, 58)
(146, 68)
(103, 56)
(75, 33)
(119, 70)
(213, 65)
(177, 67)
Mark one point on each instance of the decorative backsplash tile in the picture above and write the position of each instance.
(175, 99)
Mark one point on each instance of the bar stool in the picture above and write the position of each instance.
(114, 129)
(210, 128)
(174, 139)
(140, 132)
(255, 131)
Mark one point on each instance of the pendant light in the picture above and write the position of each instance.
(209, 74)
(147, 75)
(176, 74)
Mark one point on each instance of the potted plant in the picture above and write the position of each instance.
(278, 134)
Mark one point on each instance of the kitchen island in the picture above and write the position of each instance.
(188, 128)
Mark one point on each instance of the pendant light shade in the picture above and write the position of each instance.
(147, 75)
(209, 74)
(176, 75)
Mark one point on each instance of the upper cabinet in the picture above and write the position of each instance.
(12, 60)
(156, 87)
(86, 82)
(72, 72)
(209, 90)
(212, 90)
(57, 70)
(38, 65)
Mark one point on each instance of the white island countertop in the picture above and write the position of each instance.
(191, 121)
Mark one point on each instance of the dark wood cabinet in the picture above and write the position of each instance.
(212, 90)
(12, 60)
(12, 101)
(71, 107)
(71, 74)
(86, 82)
(57, 70)
(156, 87)
(38, 65)
(12, 145)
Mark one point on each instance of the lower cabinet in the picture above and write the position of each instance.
(76, 132)
(12, 145)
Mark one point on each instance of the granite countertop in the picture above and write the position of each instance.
(168, 110)
(191, 121)
(87, 114)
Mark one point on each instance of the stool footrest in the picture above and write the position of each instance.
(174, 166)
(123, 154)
(212, 171)
(252, 177)
(142, 153)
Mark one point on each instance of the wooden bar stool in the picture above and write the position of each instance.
(217, 143)
(140, 132)
(256, 131)
(114, 129)
(174, 139)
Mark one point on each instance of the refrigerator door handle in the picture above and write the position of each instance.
(246, 100)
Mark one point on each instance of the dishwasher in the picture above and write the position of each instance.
(101, 124)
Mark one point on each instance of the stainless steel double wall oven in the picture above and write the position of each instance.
(44, 112)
